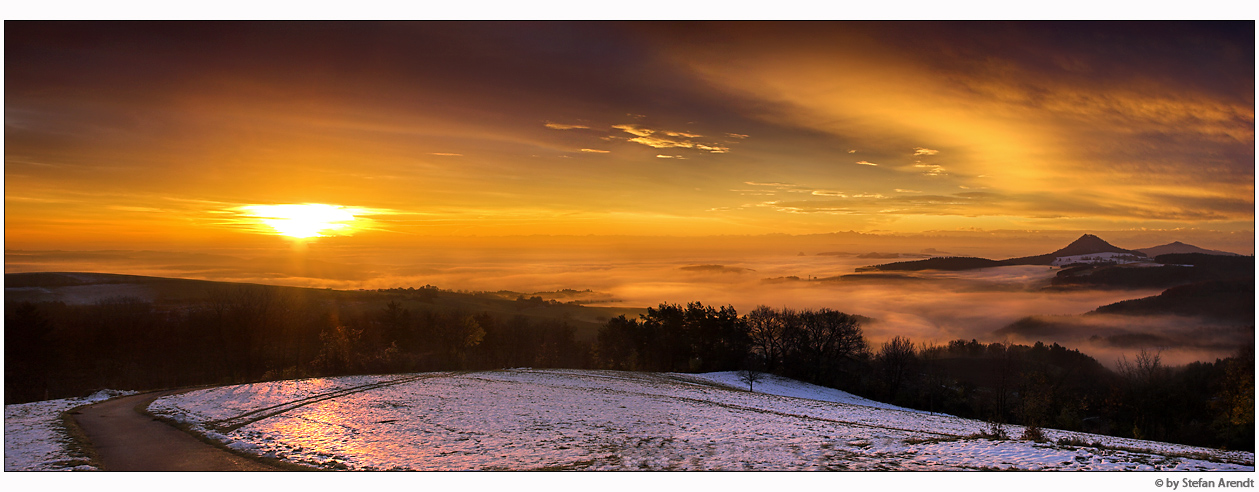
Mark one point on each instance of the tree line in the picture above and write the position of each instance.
(254, 333)
(1039, 386)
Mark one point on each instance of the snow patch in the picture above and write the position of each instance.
(36, 440)
(526, 419)
(780, 386)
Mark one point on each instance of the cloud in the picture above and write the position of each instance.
(127, 208)
(634, 130)
(447, 154)
(852, 151)
(825, 208)
(663, 156)
(651, 138)
(736, 135)
(596, 151)
(970, 204)
(561, 126)
(866, 163)
(900, 190)
(1166, 107)
(930, 169)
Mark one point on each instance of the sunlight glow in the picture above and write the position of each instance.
(303, 220)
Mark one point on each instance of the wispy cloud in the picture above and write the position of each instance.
(562, 126)
(930, 169)
(446, 154)
(808, 208)
(924, 151)
(866, 163)
(596, 151)
(671, 139)
(634, 130)
(127, 208)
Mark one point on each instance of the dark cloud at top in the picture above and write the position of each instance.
(558, 67)
(1216, 57)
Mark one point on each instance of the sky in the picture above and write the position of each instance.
(193, 136)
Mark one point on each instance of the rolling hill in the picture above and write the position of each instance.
(1228, 300)
(1181, 248)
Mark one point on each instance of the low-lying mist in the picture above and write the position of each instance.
(932, 307)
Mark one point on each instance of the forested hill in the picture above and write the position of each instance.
(1176, 269)
(940, 263)
(1226, 300)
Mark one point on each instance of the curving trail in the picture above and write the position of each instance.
(127, 440)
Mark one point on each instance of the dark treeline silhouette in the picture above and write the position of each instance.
(254, 333)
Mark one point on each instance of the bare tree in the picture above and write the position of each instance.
(1144, 392)
(751, 376)
(767, 331)
(896, 359)
(752, 369)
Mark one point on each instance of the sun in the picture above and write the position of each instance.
(304, 220)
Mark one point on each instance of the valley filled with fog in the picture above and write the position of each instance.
(929, 306)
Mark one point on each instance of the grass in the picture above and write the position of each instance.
(80, 448)
(995, 431)
(1194, 455)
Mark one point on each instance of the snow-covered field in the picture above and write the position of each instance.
(525, 419)
(35, 440)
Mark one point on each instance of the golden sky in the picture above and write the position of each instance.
(168, 135)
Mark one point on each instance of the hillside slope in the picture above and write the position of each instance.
(523, 419)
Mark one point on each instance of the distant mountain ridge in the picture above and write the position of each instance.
(1087, 244)
(1180, 248)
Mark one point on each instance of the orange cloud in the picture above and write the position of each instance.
(651, 138)
(561, 126)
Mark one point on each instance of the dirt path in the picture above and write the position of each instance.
(127, 440)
